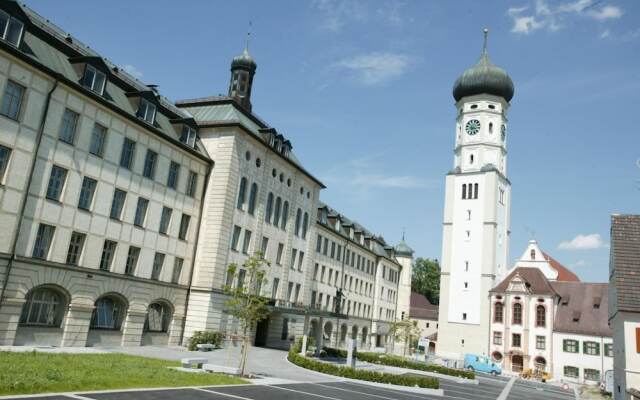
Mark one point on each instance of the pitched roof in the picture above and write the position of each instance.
(624, 264)
(582, 308)
(421, 307)
(533, 277)
(564, 274)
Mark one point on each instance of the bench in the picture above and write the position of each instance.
(190, 362)
(205, 346)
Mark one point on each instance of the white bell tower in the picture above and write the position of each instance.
(475, 237)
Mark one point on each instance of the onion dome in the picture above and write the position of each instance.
(244, 61)
(403, 249)
(484, 78)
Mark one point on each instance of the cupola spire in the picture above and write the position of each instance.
(243, 68)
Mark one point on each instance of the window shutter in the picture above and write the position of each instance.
(637, 340)
(564, 345)
(584, 347)
(597, 349)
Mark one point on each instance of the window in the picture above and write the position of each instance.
(570, 345)
(98, 138)
(315, 271)
(290, 291)
(517, 314)
(174, 172)
(43, 241)
(76, 245)
(188, 136)
(541, 343)
(177, 270)
(235, 237)
(149, 170)
(637, 340)
(158, 262)
(464, 316)
(56, 183)
(44, 307)
(5, 154)
(466, 285)
(497, 338)
(533, 254)
(298, 222)
(515, 340)
(192, 184)
(86, 193)
(591, 375)
(12, 99)
(94, 79)
(132, 260)
(285, 329)
(285, 215)
(268, 209)
(541, 319)
(68, 128)
(466, 266)
(319, 244)
(158, 318)
(108, 251)
(165, 219)
(184, 226)
(128, 150)
(571, 372)
(305, 225)
(300, 258)
(242, 194)
(276, 214)
(608, 349)
(146, 111)
(294, 252)
(297, 293)
(108, 313)
(10, 29)
(246, 242)
(464, 191)
(591, 348)
(253, 195)
(117, 203)
(264, 246)
(141, 212)
(279, 254)
(274, 288)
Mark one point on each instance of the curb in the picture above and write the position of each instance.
(456, 379)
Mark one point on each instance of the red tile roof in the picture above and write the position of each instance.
(564, 274)
(420, 307)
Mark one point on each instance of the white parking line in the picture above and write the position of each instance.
(309, 393)
(355, 391)
(507, 389)
(383, 389)
(223, 394)
(75, 396)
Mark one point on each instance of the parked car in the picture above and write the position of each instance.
(474, 362)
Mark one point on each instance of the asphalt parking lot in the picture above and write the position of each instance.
(489, 388)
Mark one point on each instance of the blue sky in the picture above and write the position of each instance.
(363, 91)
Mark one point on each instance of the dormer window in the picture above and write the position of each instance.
(188, 136)
(94, 79)
(10, 29)
(146, 111)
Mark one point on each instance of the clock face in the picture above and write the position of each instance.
(503, 132)
(472, 127)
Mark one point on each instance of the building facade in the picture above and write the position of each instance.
(121, 210)
(475, 235)
(425, 316)
(624, 304)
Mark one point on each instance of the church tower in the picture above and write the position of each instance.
(475, 234)
(243, 67)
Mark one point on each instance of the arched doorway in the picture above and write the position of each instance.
(343, 334)
(106, 322)
(328, 331)
(42, 315)
(157, 323)
(313, 328)
(365, 338)
(516, 363)
(539, 365)
(354, 332)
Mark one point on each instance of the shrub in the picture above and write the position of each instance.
(210, 337)
(396, 361)
(371, 376)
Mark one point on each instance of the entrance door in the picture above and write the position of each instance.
(516, 363)
(262, 331)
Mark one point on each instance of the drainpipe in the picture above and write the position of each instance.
(195, 248)
(23, 206)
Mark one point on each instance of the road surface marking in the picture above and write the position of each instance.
(355, 391)
(223, 394)
(507, 389)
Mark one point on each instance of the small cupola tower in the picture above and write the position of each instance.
(243, 67)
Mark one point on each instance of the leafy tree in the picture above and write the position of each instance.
(246, 304)
(404, 330)
(426, 279)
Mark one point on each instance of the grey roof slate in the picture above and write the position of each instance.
(624, 263)
(577, 301)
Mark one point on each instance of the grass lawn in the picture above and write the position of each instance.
(24, 373)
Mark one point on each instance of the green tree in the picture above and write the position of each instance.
(245, 303)
(404, 330)
(426, 279)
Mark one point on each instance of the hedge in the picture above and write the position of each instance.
(209, 337)
(352, 373)
(395, 361)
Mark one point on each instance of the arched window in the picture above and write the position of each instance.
(517, 314)
(490, 127)
(253, 195)
(533, 254)
(44, 307)
(498, 312)
(471, 159)
(285, 215)
(242, 193)
(305, 225)
(475, 189)
(298, 222)
(158, 318)
(541, 317)
(464, 191)
(276, 213)
(108, 314)
(269, 209)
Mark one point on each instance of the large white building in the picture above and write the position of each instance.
(475, 234)
(121, 210)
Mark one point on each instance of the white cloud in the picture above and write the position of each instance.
(578, 264)
(583, 242)
(375, 68)
(133, 71)
(605, 34)
(553, 17)
(337, 14)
